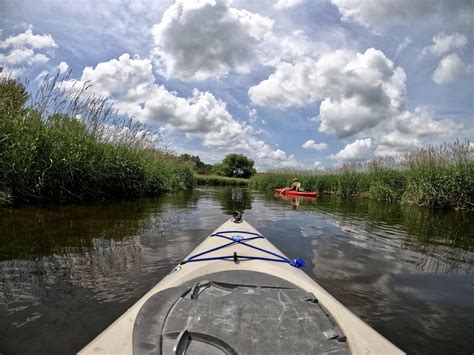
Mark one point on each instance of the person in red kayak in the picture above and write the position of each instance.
(295, 186)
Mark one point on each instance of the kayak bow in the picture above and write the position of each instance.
(236, 293)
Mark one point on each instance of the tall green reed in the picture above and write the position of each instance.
(65, 144)
(433, 176)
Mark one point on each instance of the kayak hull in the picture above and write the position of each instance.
(296, 193)
(360, 337)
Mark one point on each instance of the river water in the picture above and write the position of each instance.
(66, 272)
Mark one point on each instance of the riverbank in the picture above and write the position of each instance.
(217, 180)
(441, 177)
(64, 145)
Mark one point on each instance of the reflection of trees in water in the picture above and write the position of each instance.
(98, 266)
(233, 199)
(443, 237)
(37, 231)
(436, 240)
(105, 247)
(111, 269)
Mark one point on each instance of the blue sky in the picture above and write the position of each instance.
(289, 83)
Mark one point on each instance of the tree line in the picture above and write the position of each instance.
(233, 165)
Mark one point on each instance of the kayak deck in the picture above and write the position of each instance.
(218, 265)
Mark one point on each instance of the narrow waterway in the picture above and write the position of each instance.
(66, 272)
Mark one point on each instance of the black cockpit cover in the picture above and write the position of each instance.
(235, 312)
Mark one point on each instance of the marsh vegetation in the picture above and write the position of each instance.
(433, 176)
(66, 144)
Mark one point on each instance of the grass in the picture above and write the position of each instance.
(433, 176)
(64, 144)
(217, 180)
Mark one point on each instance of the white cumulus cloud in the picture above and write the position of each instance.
(23, 57)
(411, 129)
(443, 43)
(421, 123)
(311, 144)
(451, 68)
(29, 40)
(358, 90)
(22, 51)
(62, 67)
(395, 143)
(359, 150)
(201, 39)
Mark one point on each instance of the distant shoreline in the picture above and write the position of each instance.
(438, 177)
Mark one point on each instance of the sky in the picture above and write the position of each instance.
(289, 83)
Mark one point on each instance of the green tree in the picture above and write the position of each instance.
(238, 165)
(204, 169)
(217, 169)
(196, 163)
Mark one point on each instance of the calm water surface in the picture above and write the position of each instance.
(66, 272)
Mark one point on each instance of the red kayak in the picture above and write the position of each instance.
(296, 193)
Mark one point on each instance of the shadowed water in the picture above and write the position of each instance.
(66, 272)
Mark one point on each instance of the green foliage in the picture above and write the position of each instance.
(237, 165)
(435, 181)
(195, 162)
(233, 165)
(217, 170)
(233, 199)
(54, 157)
(13, 96)
(216, 180)
(432, 176)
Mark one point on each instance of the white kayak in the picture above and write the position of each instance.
(236, 293)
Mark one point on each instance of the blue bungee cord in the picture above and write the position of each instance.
(237, 239)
